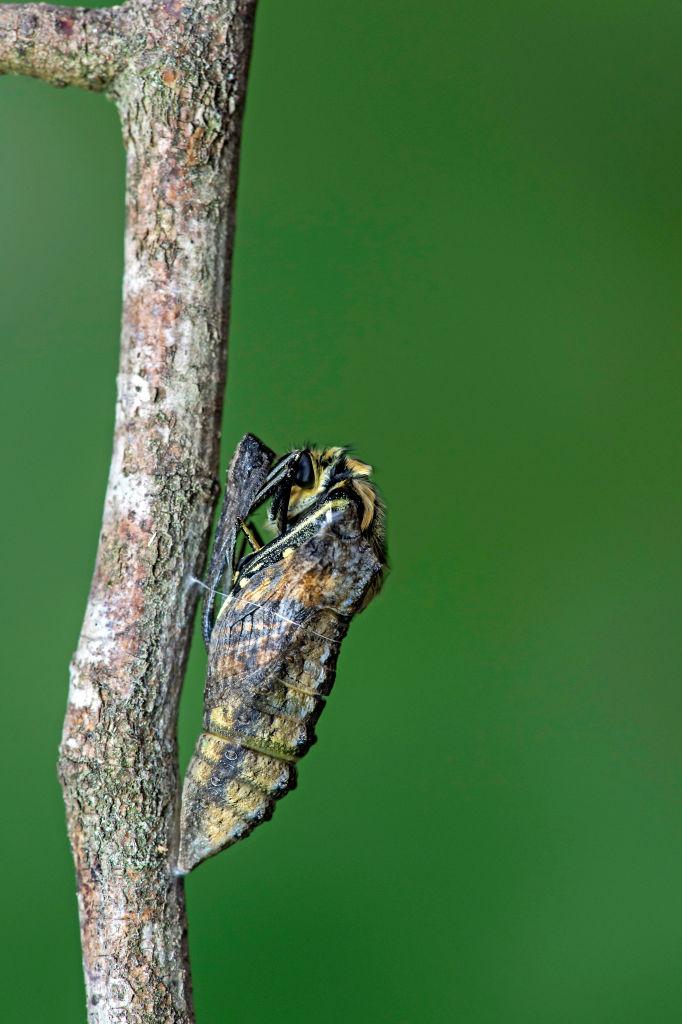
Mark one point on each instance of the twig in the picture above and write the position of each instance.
(178, 74)
(61, 45)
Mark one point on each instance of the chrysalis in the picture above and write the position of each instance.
(273, 649)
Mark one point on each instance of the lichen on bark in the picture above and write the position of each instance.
(177, 73)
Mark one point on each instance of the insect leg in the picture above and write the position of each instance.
(240, 550)
(252, 535)
(281, 474)
(278, 486)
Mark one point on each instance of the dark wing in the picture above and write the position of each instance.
(245, 477)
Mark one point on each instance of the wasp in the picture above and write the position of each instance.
(274, 643)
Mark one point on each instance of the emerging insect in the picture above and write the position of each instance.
(273, 648)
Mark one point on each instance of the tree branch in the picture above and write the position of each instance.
(61, 45)
(181, 95)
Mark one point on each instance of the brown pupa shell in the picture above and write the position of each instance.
(271, 665)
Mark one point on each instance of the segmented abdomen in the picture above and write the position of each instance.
(268, 678)
(271, 664)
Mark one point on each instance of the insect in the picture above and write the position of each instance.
(274, 643)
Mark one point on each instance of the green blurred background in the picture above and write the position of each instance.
(457, 246)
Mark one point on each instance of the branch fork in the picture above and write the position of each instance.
(177, 72)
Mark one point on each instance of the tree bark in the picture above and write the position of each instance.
(177, 72)
(62, 45)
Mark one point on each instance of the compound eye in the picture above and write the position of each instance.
(305, 474)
